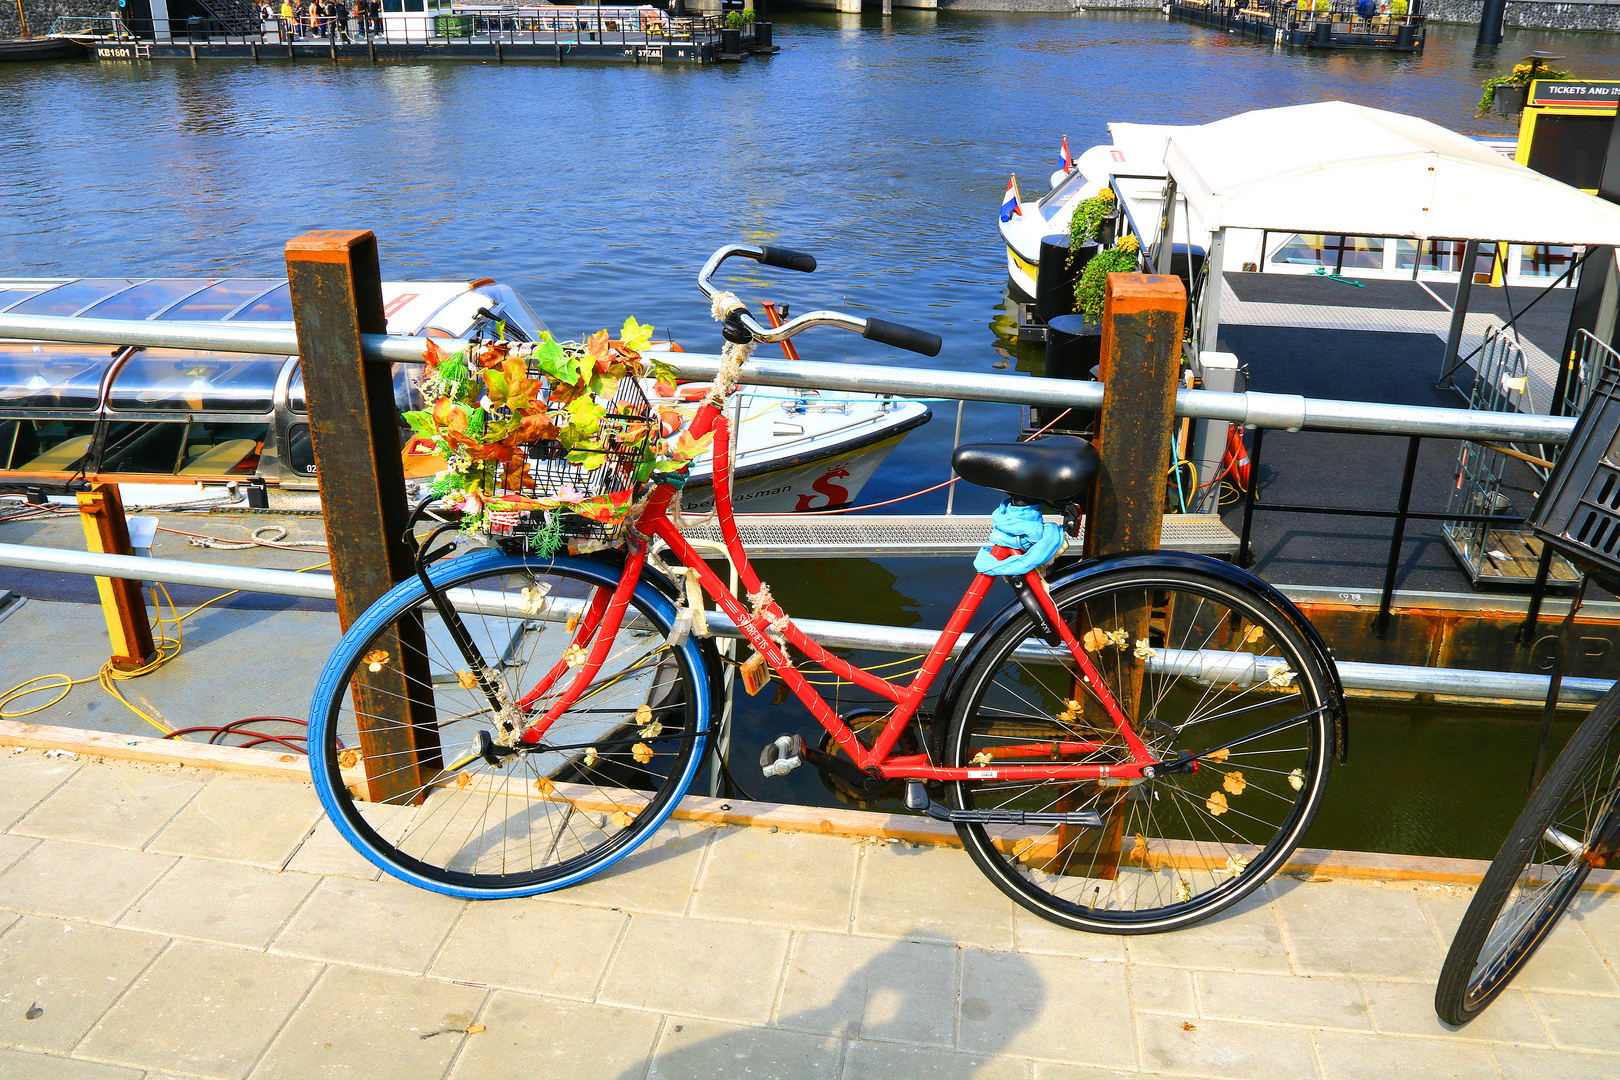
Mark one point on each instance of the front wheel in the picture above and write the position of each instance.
(1570, 826)
(1197, 663)
(407, 750)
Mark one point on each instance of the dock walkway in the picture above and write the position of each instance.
(165, 920)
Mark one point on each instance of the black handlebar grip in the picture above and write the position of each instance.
(788, 259)
(905, 337)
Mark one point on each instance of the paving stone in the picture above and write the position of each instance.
(201, 1009)
(1285, 999)
(325, 852)
(1033, 934)
(660, 876)
(1599, 915)
(870, 988)
(786, 879)
(886, 1061)
(1357, 930)
(360, 1023)
(1570, 959)
(79, 881)
(13, 848)
(1055, 1070)
(725, 970)
(543, 1037)
(385, 924)
(1408, 1009)
(220, 901)
(1347, 1056)
(27, 778)
(1531, 1063)
(1591, 1023)
(1245, 937)
(702, 1050)
(73, 971)
(1035, 1004)
(1222, 1048)
(18, 1065)
(532, 944)
(1157, 989)
(937, 892)
(245, 819)
(123, 807)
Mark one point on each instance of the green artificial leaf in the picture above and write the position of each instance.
(587, 460)
(453, 370)
(585, 414)
(476, 421)
(421, 421)
(635, 335)
(550, 358)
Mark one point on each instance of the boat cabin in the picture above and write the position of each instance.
(183, 416)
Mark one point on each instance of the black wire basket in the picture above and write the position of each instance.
(1578, 513)
(625, 432)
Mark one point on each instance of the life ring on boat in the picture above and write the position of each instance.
(1236, 462)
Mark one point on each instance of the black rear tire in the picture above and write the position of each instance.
(1539, 870)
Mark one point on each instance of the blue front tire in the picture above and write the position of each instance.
(407, 757)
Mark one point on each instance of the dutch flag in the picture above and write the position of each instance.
(1065, 159)
(1009, 206)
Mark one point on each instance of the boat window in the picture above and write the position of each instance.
(45, 446)
(392, 5)
(144, 301)
(273, 306)
(13, 296)
(41, 375)
(406, 396)
(1331, 250)
(69, 298)
(504, 298)
(1544, 260)
(185, 381)
(1066, 187)
(216, 301)
(182, 447)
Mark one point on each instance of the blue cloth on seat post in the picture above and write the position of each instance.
(1022, 529)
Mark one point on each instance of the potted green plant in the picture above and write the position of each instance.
(1089, 291)
(1509, 92)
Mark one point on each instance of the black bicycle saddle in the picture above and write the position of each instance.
(1057, 469)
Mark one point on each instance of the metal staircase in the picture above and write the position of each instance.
(235, 16)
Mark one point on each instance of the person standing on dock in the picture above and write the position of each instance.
(340, 15)
(289, 20)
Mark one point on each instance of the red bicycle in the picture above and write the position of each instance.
(1128, 747)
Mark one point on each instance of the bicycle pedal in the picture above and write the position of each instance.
(782, 756)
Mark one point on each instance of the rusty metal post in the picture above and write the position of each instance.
(354, 428)
(106, 531)
(1141, 367)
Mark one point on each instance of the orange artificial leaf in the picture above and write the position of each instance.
(544, 786)
(1216, 804)
(642, 752)
(432, 355)
(1234, 783)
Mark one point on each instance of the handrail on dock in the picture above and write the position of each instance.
(1287, 412)
(1457, 682)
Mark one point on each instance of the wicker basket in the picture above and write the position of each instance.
(626, 430)
(1578, 513)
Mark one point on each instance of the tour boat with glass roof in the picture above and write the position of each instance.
(176, 426)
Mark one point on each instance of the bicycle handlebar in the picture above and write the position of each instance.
(740, 325)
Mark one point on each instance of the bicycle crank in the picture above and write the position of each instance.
(917, 798)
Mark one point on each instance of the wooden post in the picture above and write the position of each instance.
(354, 430)
(1141, 364)
(101, 512)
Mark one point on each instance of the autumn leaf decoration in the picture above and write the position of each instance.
(484, 406)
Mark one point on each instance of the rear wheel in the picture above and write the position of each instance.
(1197, 664)
(1570, 826)
(405, 746)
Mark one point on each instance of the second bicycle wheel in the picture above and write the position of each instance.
(1570, 826)
(405, 745)
(1197, 662)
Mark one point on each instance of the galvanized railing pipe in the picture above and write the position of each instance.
(1499, 685)
(1287, 411)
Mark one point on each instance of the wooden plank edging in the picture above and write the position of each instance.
(855, 824)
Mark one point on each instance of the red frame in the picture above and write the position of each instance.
(598, 627)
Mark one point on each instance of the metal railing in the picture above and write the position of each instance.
(577, 27)
(1496, 685)
(1288, 412)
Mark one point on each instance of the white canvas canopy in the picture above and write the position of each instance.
(1334, 167)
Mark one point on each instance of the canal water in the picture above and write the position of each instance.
(883, 146)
